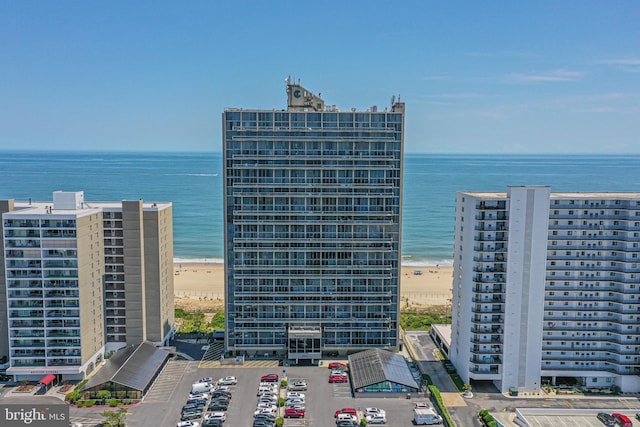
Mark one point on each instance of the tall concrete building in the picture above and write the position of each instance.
(79, 279)
(312, 207)
(547, 289)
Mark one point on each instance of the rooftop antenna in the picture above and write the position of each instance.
(393, 100)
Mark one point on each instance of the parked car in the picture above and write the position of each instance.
(638, 415)
(228, 381)
(421, 405)
(606, 419)
(214, 422)
(198, 396)
(346, 423)
(218, 406)
(262, 423)
(270, 411)
(338, 373)
(298, 386)
(350, 411)
(297, 406)
(294, 413)
(188, 416)
(216, 415)
(337, 365)
(346, 417)
(622, 419)
(221, 393)
(295, 394)
(338, 379)
(374, 411)
(206, 380)
(266, 416)
(188, 424)
(376, 419)
(269, 378)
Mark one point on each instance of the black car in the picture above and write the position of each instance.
(217, 406)
(606, 419)
(191, 406)
(262, 423)
(202, 402)
(214, 422)
(219, 393)
(267, 417)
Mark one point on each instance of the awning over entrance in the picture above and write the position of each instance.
(47, 379)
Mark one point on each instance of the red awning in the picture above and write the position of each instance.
(47, 379)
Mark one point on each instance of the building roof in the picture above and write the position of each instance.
(375, 366)
(133, 367)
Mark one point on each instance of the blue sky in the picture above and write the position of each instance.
(477, 77)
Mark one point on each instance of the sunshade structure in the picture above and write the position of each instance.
(380, 371)
(129, 373)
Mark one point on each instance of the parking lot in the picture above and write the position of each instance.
(170, 392)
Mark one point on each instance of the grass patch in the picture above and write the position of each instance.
(421, 320)
(457, 381)
(194, 322)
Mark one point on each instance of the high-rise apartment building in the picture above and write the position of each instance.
(79, 279)
(547, 289)
(312, 208)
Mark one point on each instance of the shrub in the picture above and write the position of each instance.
(73, 396)
(113, 402)
(279, 422)
(427, 379)
(492, 424)
(435, 393)
(482, 413)
(488, 418)
(363, 422)
(284, 383)
(281, 401)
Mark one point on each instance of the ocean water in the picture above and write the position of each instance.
(193, 182)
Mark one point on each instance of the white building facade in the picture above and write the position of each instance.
(546, 289)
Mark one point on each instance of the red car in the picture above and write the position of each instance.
(338, 379)
(350, 411)
(623, 420)
(337, 365)
(270, 378)
(294, 413)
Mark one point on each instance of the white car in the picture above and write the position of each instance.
(188, 424)
(228, 381)
(374, 411)
(198, 396)
(266, 405)
(421, 405)
(221, 388)
(265, 411)
(346, 417)
(206, 380)
(339, 373)
(294, 401)
(216, 415)
(293, 394)
(376, 419)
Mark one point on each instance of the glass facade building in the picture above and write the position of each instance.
(313, 200)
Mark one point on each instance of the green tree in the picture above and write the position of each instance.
(115, 418)
(103, 395)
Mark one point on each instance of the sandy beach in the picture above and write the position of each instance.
(201, 286)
